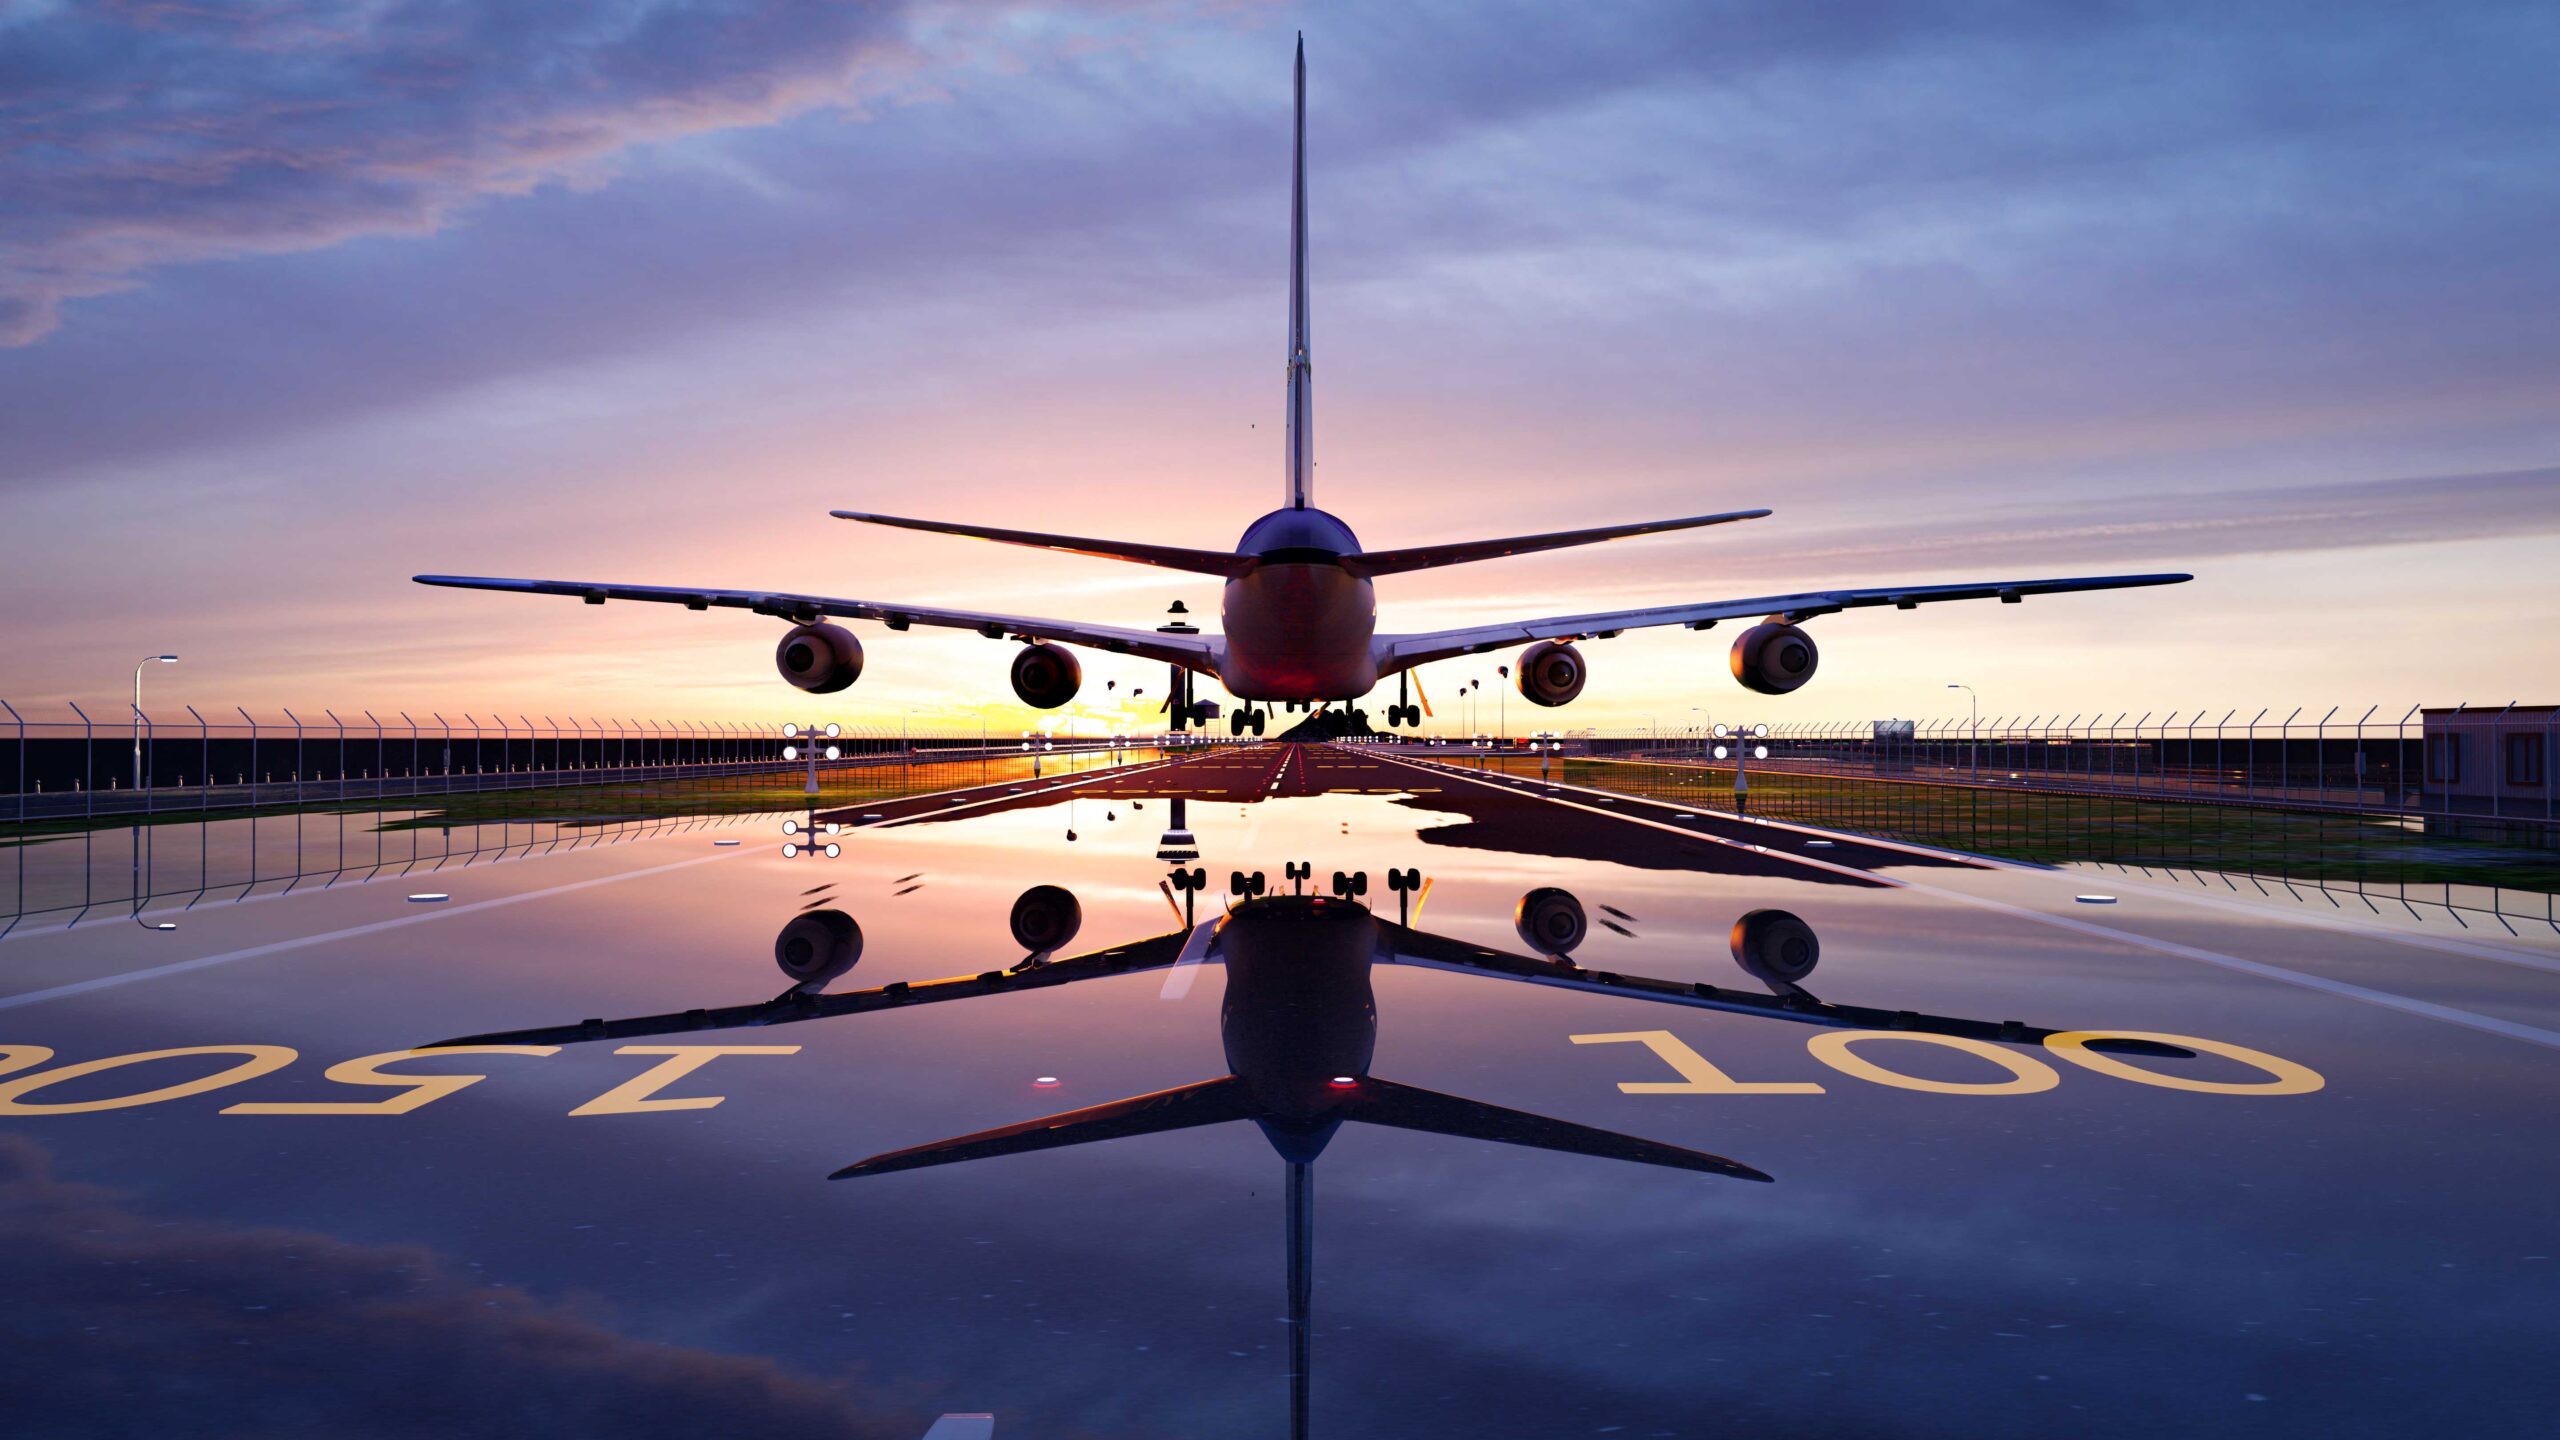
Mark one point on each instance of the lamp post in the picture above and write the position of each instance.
(1745, 749)
(137, 711)
(1973, 734)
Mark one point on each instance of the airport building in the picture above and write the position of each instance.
(2492, 761)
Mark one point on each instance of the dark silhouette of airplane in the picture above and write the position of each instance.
(1299, 609)
(1299, 1025)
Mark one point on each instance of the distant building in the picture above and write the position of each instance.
(2492, 761)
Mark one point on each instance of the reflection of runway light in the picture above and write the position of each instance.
(1344, 1082)
(2095, 899)
(724, 842)
(1046, 1082)
(428, 897)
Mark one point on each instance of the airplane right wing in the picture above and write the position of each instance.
(1194, 652)
(1403, 652)
(1170, 557)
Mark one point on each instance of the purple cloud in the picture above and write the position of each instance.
(144, 134)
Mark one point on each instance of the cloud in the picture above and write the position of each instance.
(145, 133)
(161, 1326)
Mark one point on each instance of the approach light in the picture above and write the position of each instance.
(1720, 752)
(790, 730)
(1760, 731)
(1721, 731)
(790, 752)
(833, 752)
(1759, 752)
(833, 730)
(789, 850)
(790, 827)
(834, 850)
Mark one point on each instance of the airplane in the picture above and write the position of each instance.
(1299, 609)
(1299, 1028)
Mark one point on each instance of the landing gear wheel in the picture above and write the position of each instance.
(1235, 723)
(1257, 722)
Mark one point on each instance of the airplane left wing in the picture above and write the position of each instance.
(1196, 652)
(1403, 652)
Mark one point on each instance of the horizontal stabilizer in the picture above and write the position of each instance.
(1206, 1103)
(1383, 1102)
(1425, 557)
(1170, 557)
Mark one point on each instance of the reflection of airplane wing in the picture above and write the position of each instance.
(1153, 953)
(1398, 945)
(1401, 652)
(1194, 651)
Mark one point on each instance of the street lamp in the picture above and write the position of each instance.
(137, 711)
(1972, 734)
(1745, 749)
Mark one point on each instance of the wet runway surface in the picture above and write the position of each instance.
(1479, 1107)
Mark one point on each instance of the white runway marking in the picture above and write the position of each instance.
(135, 977)
(2531, 1034)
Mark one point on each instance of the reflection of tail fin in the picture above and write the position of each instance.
(1383, 1102)
(1206, 1103)
(1302, 402)
(1302, 1285)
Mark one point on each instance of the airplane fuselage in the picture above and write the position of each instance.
(1299, 627)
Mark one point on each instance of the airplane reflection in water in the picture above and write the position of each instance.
(1299, 1025)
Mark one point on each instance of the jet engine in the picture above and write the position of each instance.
(1775, 947)
(816, 948)
(1046, 676)
(1551, 673)
(1774, 657)
(1045, 918)
(821, 659)
(1550, 921)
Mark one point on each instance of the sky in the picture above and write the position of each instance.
(298, 300)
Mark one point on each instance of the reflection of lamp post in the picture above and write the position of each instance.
(1972, 734)
(137, 711)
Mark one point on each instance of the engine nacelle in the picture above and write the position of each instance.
(1046, 676)
(821, 659)
(1550, 921)
(1045, 918)
(1551, 673)
(817, 947)
(1774, 657)
(1775, 947)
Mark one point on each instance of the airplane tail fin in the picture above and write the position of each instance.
(1302, 405)
(1206, 1103)
(1170, 557)
(1426, 557)
(1406, 1107)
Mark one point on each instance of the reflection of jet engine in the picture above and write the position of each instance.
(821, 659)
(1774, 657)
(1046, 676)
(1775, 947)
(816, 947)
(1550, 921)
(1045, 918)
(1551, 673)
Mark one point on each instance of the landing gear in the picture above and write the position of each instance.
(1245, 722)
(1404, 711)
